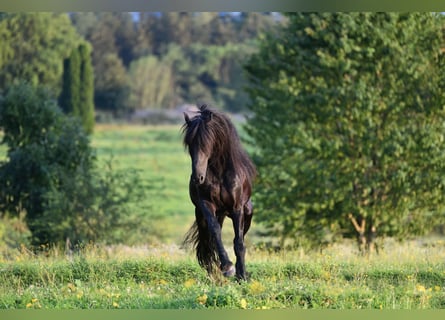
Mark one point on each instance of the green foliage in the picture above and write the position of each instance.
(86, 93)
(170, 58)
(92, 205)
(190, 74)
(152, 83)
(77, 95)
(111, 84)
(14, 232)
(349, 119)
(69, 99)
(33, 47)
(208, 73)
(51, 174)
(44, 147)
(6, 51)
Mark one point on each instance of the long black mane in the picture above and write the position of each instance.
(214, 133)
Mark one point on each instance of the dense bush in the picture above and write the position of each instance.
(51, 174)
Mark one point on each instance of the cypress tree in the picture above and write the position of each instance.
(77, 95)
(69, 98)
(86, 93)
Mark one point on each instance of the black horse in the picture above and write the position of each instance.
(220, 186)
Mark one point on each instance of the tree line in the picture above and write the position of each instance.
(140, 60)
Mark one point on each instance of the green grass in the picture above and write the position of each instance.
(407, 277)
(159, 156)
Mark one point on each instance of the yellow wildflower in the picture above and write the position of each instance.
(262, 308)
(243, 303)
(33, 304)
(256, 287)
(202, 299)
(71, 287)
(420, 288)
(189, 283)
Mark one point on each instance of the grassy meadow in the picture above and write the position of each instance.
(156, 273)
(409, 277)
(156, 152)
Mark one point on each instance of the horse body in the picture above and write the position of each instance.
(220, 186)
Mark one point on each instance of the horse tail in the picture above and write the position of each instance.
(199, 238)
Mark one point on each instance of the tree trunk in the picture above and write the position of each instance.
(365, 236)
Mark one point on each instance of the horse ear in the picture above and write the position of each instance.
(186, 117)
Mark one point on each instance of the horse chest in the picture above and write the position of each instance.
(215, 193)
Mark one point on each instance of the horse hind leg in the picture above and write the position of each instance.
(248, 214)
(241, 224)
(238, 245)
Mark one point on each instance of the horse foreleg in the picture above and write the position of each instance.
(214, 226)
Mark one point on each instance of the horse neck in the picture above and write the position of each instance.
(221, 163)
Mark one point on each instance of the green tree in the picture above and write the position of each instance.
(251, 24)
(43, 145)
(145, 32)
(77, 95)
(108, 35)
(36, 45)
(6, 51)
(111, 84)
(349, 125)
(84, 22)
(151, 82)
(173, 27)
(208, 73)
(51, 174)
(86, 93)
(69, 99)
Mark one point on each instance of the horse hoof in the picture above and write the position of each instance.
(229, 272)
(244, 277)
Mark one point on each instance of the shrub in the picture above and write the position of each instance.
(51, 173)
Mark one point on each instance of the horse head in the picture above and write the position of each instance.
(198, 144)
